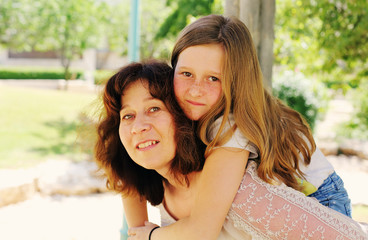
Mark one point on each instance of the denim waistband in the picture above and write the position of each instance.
(332, 183)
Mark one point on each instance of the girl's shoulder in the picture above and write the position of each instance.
(237, 139)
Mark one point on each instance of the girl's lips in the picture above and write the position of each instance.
(195, 103)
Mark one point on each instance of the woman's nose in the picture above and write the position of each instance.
(140, 125)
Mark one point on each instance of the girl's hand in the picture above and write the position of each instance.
(141, 233)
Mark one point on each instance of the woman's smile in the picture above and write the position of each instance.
(145, 145)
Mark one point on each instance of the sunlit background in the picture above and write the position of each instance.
(55, 56)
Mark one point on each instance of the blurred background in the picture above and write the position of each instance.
(55, 56)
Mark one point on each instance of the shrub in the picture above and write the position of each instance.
(101, 76)
(36, 73)
(298, 92)
(357, 127)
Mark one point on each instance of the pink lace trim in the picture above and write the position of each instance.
(278, 212)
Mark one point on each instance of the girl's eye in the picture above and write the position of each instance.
(154, 109)
(213, 79)
(187, 74)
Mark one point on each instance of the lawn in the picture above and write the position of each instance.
(360, 213)
(38, 124)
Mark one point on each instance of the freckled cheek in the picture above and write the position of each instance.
(218, 94)
(215, 92)
(180, 88)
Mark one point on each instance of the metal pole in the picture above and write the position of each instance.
(134, 32)
(133, 56)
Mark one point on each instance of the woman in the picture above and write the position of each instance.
(148, 150)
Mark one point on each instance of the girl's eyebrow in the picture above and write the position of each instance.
(186, 68)
(182, 67)
(215, 73)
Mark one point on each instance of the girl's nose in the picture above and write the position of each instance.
(196, 90)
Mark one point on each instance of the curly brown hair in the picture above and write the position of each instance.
(123, 174)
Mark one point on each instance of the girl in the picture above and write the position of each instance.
(218, 81)
(139, 151)
(249, 114)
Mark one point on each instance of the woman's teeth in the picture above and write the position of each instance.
(146, 144)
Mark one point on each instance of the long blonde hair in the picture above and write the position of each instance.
(280, 133)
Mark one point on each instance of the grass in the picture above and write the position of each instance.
(37, 124)
(360, 213)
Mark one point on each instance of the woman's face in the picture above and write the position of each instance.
(197, 79)
(146, 129)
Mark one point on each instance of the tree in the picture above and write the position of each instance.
(153, 14)
(21, 24)
(182, 11)
(67, 26)
(259, 16)
(343, 33)
(76, 28)
(324, 38)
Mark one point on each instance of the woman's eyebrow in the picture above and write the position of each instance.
(144, 100)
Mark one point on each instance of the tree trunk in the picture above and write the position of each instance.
(259, 16)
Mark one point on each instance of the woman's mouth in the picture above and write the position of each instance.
(147, 144)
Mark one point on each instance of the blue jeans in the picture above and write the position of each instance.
(333, 194)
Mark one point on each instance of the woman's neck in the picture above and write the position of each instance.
(179, 181)
(179, 196)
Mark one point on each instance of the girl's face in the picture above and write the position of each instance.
(146, 129)
(197, 79)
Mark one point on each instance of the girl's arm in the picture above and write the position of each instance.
(135, 209)
(218, 184)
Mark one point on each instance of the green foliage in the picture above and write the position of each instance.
(181, 13)
(299, 93)
(71, 26)
(153, 14)
(357, 127)
(295, 46)
(114, 21)
(344, 30)
(325, 38)
(32, 73)
(101, 76)
(67, 26)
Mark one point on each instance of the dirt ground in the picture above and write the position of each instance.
(99, 216)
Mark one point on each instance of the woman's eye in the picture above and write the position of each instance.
(154, 109)
(187, 74)
(127, 117)
(213, 79)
